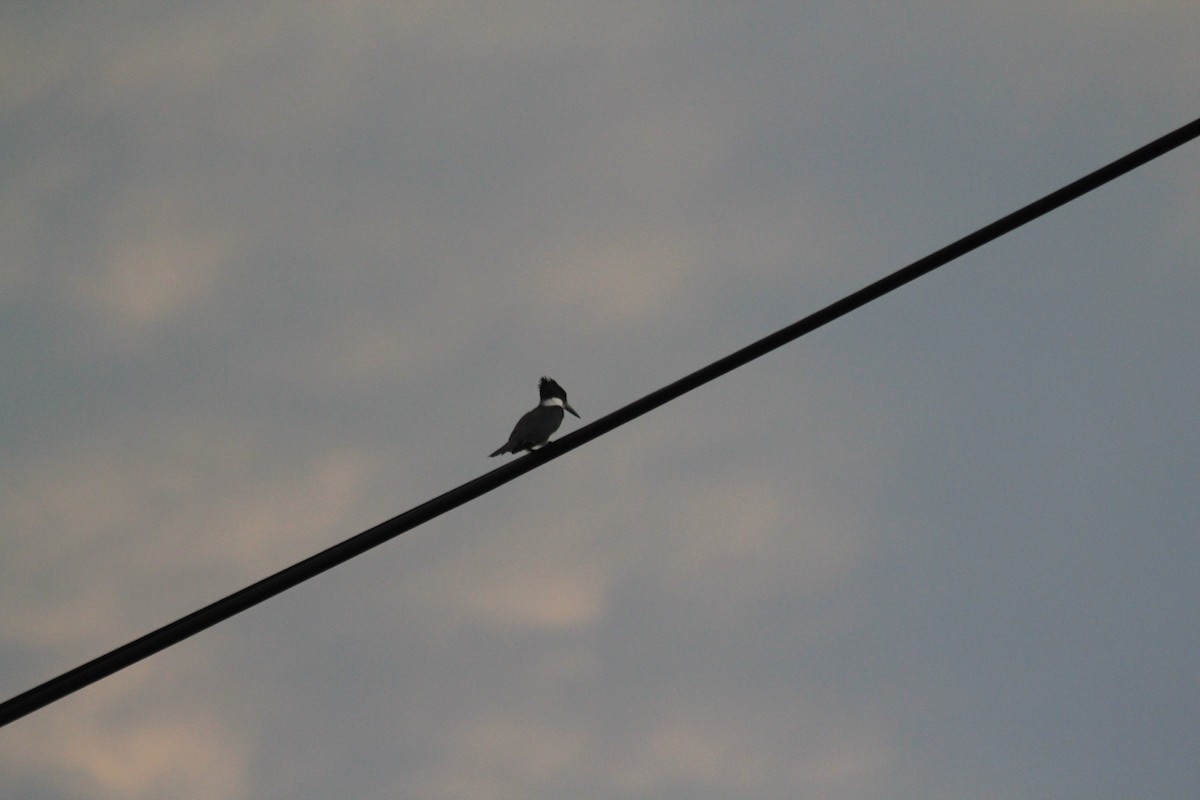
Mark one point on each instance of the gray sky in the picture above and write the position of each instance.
(273, 273)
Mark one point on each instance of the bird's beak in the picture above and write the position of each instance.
(573, 411)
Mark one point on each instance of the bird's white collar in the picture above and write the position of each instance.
(554, 401)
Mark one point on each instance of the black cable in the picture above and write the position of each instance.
(252, 595)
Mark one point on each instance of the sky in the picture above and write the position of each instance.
(275, 272)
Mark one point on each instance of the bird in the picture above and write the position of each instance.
(534, 428)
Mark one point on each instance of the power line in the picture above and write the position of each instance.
(252, 595)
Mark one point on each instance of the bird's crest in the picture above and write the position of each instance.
(548, 387)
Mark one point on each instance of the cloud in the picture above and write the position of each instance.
(547, 598)
(274, 265)
(749, 535)
(176, 507)
(535, 579)
(164, 259)
(741, 754)
(616, 281)
(125, 739)
(788, 749)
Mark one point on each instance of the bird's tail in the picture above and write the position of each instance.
(503, 449)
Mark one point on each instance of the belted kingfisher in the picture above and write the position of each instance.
(533, 430)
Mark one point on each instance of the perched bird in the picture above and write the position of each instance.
(533, 430)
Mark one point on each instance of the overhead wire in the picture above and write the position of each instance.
(143, 647)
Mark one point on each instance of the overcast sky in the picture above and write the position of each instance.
(272, 273)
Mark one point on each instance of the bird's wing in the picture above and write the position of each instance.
(524, 432)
